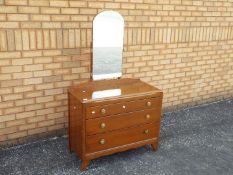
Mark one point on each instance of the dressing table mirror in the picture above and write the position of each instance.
(108, 31)
(109, 114)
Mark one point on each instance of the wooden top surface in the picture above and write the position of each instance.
(112, 89)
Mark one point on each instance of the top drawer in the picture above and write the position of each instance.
(128, 106)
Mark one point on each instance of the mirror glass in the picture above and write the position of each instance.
(108, 31)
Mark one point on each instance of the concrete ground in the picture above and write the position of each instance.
(193, 141)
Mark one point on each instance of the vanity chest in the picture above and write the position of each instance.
(110, 116)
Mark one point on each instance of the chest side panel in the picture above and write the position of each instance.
(75, 125)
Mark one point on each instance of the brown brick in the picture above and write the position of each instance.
(25, 39)
(52, 79)
(16, 2)
(12, 97)
(30, 25)
(22, 61)
(51, 25)
(9, 83)
(70, 25)
(38, 2)
(19, 89)
(28, 9)
(24, 102)
(5, 77)
(87, 11)
(44, 99)
(10, 54)
(32, 39)
(45, 111)
(51, 52)
(55, 127)
(32, 81)
(17, 17)
(18, 40)
(33, 107)
(53, 91)
(8, 130)
(37, 131)
(95, 5)
(27, 126)
(15, 123)
(59, 3)
(13, 110)
(50, 10)
(17, 135)
(20, 75)
(25, 115)
(32, 53)
(44, 86)
(112, 5)
(46, 123)
(8, 9)
(3, 41)
(39, 60)
(10, 40)
(78, 4)
(8, 25)
(11, 69)
(60, 18)
(33, 67)
(43, 73)
(4, 118)
(40, 17)
(53, 104)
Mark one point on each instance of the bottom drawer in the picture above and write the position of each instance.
(121, 137)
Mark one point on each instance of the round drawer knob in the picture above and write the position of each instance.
(102, 125)
(102, 141)
(75, 107)
(147, 116)
(148, 103)
(146, 131)
(103, 111)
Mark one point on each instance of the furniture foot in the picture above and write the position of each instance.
(84, 164)
(154, 146)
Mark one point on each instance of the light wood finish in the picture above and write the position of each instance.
(103, 126)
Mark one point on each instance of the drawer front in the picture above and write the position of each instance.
(105, 110)
(114, 122)
(121, 137)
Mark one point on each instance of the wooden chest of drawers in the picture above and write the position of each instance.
(110, 116)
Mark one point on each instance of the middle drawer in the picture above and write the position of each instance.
(114, 122)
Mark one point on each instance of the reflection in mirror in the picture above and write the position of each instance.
(108, 29)
(106, 93)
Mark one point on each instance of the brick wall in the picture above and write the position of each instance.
(184, 47)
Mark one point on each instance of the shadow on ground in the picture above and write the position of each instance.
(193, 141)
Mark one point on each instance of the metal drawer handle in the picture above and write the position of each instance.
(103, 111)
(146, 131)
(102, 141)
(148, 103)
(147, 116)
(102, 125)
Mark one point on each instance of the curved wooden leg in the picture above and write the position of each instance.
(154, 146)
(84, 164)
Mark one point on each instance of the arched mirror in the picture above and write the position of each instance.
(108, 31)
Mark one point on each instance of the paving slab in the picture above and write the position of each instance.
(195, 141)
